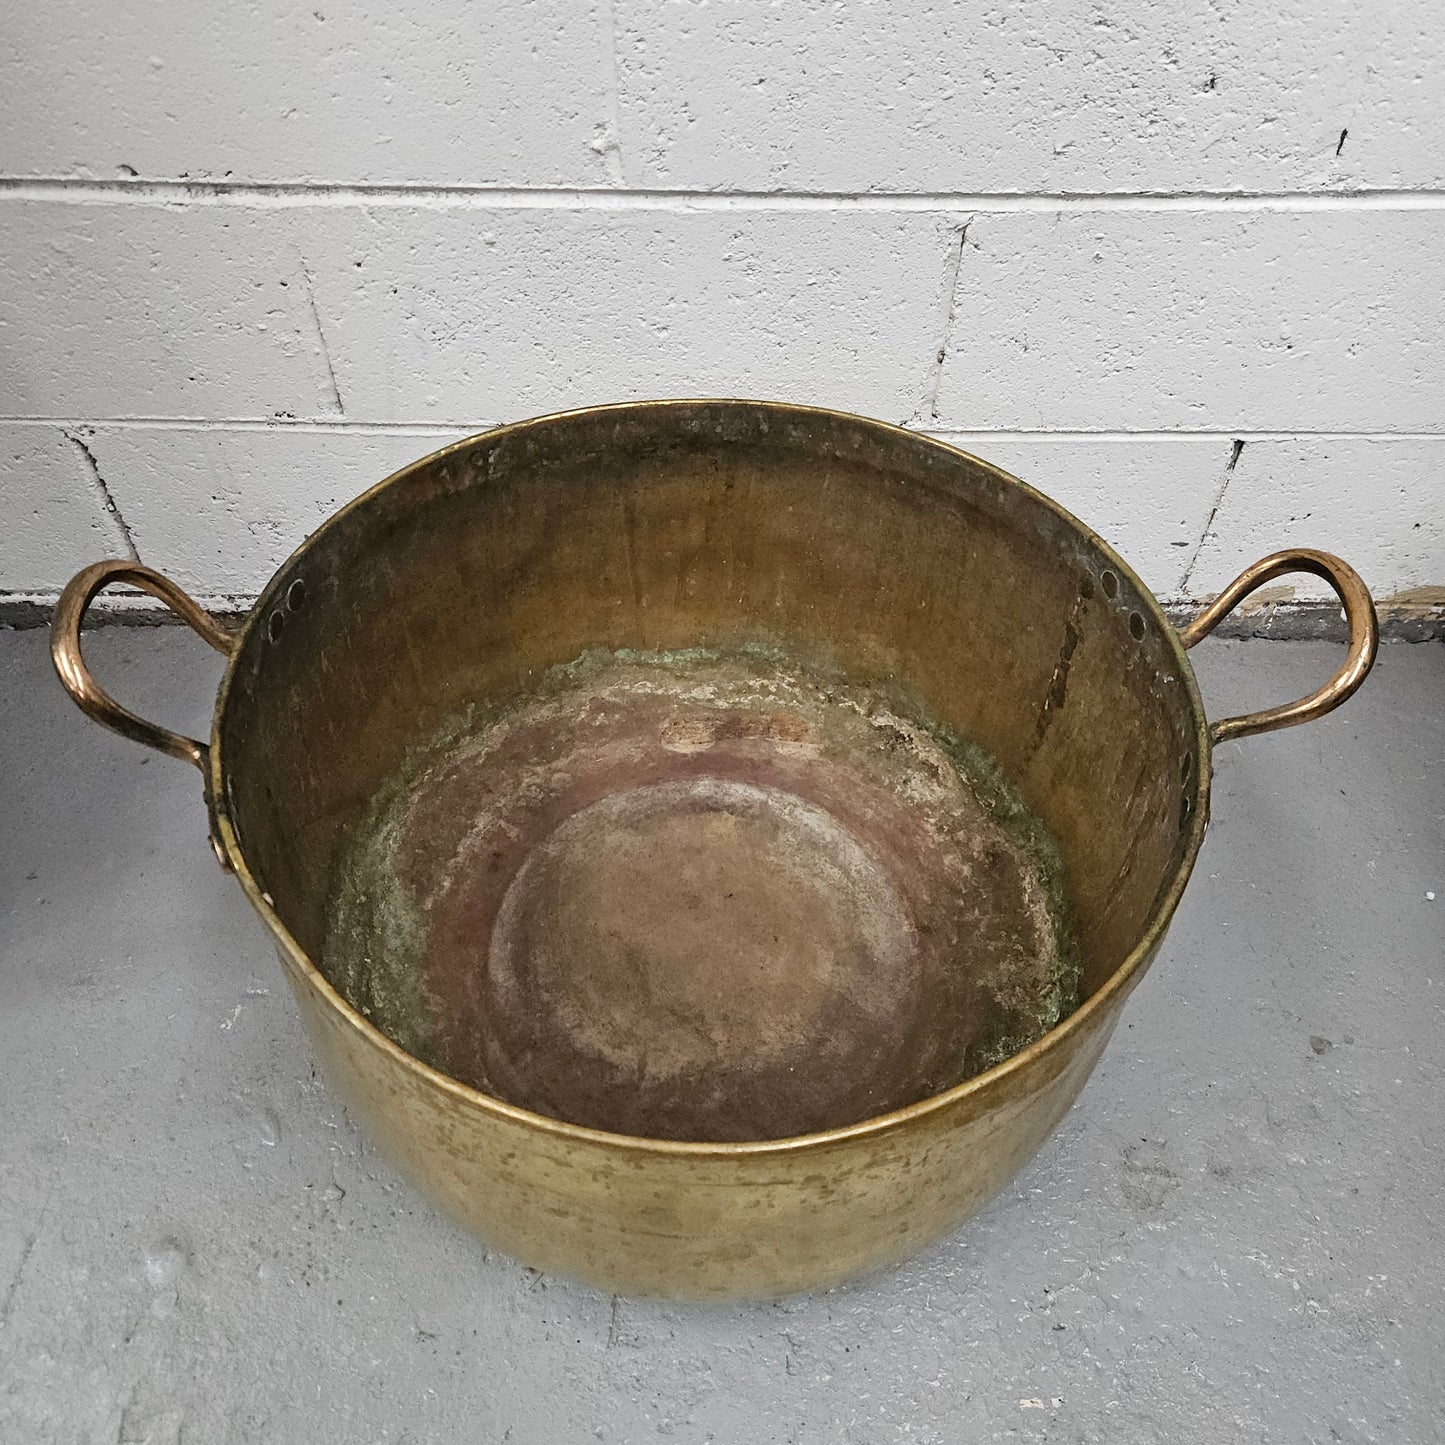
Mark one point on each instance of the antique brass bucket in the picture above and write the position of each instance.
(700, 1076)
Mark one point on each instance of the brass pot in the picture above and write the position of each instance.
(673, 525)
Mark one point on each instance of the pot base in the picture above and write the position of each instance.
(701, 896)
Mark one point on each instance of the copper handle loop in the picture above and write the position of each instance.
(89, 696)
(1359, 614)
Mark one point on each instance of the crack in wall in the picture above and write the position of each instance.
(1237, 446)
(927, 410)
(321, 338)
(106, 499)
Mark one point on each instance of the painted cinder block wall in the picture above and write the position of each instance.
(255, 257)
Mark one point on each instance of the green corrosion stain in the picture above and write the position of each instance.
(376, 934)
(377, 927)
(1000, 799)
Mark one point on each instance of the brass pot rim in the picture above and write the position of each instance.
(1120, 981)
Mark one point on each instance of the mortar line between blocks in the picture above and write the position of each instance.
(461, 429)
(81, 191)
(1309, 619)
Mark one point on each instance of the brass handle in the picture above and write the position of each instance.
(1359, 614)
(90, 697)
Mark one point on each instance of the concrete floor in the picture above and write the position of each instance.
(1235, 1236)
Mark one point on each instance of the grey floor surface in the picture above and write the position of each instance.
(1237, 1235)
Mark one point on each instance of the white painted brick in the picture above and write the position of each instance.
(456, 309)
(1148, 497)
(444, 91)
(55, 519)
(1048, 95)
(451, 314)
(1378, 503)
(219, 509)
(130, 310)
(1267, 321)
(892, 95)
(458, 314)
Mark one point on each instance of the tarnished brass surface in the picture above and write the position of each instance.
(671, 525)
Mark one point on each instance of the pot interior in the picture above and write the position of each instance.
(710, 770)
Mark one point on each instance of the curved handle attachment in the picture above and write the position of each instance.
(1359, 614)
(89, 696)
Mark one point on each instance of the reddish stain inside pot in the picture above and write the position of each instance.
(696, 896)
